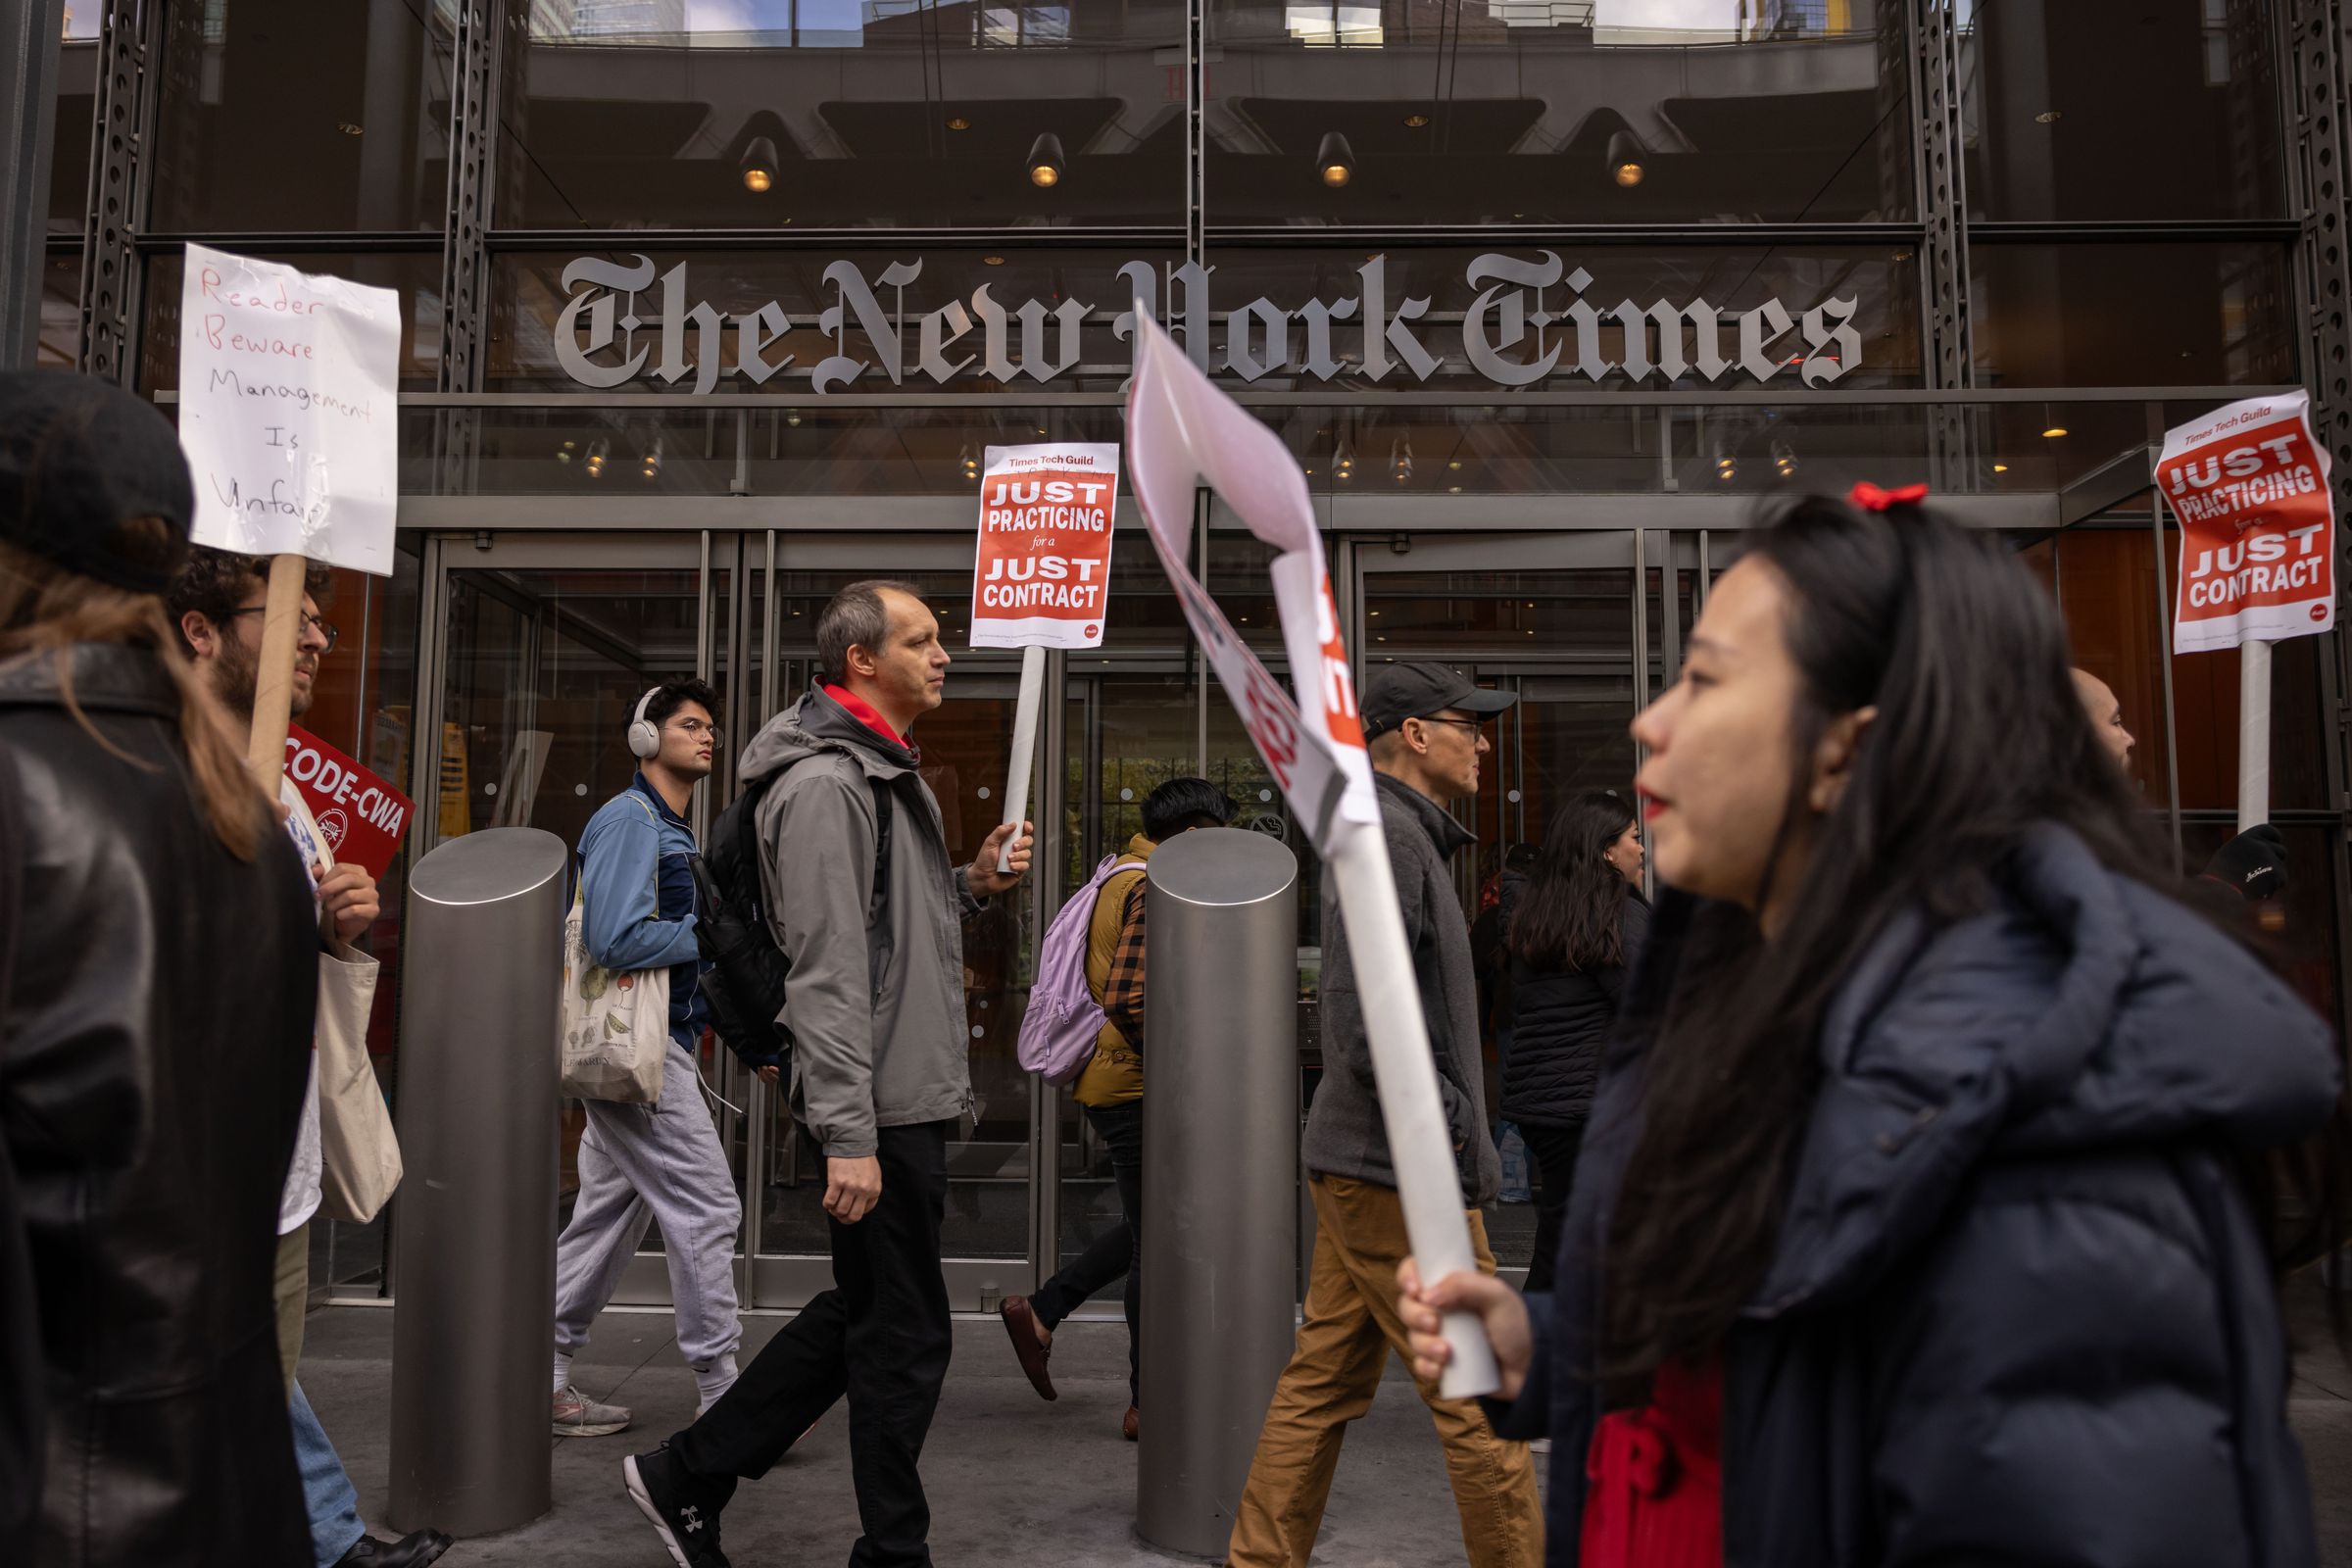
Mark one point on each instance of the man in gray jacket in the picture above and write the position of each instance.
(1423, 724)
(865, 903)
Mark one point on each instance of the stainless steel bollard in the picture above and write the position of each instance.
(473, 1333)
(1221, 1174)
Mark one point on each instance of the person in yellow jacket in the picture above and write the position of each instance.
(1111, 1088)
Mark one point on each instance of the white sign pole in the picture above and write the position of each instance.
(2253, 734)
(1181, 431)
(1024, 746)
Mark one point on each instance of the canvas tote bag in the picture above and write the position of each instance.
(615, 1026)
(360, 1154)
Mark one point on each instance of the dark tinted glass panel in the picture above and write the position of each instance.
(414, 276)
(907, 320)
(2191, 314)
(59, 342)
(760, 114)
(77, 107)
(1631, 111)
(289, 116)
(2080, 110)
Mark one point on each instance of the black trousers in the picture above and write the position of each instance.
(1117, 1250)
(880, 1335)
(1555, 1149)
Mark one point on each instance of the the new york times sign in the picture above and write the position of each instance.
(1531, 322)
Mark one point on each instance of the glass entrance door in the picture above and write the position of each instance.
(1555, 620)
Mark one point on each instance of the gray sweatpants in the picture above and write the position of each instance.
(640, 1163)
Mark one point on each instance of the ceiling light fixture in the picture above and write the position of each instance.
(958, 122)
(760, 166)
(2000, 468)
(991, 261)
(1625, 159)
(2053, 432)
(1045, 162)
(2049, 117)
(1335, 161)
(600, 452)
(1783, 457)
(1415, 121)
(652, 465)
(350, 129)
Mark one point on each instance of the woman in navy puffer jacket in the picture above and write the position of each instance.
(1918, 1220)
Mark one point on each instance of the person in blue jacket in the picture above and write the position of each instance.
(659, 1161)
(1924, 1214)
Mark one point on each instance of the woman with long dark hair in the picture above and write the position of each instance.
(159, 967)
(1915, 1224)
(1573, 934)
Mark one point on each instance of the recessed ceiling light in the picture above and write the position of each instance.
(991, 261)
(2049, 117)
(1415, 121)
(958, 122)
(2000, 468)
(2053, 432)
(350, 129)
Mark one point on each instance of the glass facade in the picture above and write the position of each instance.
(712, 306)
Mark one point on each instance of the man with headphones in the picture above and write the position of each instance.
(659, 1161)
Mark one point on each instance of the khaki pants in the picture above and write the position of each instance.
(1344, 1346)
(292, 1294)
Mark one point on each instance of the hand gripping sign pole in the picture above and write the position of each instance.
(1181, 430)
(288, 384)
(2248, 484)
(1042, 575)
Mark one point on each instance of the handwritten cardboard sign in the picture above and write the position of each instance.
(288, 411)
(2249, 484)
(1043, 576)
(360, 816)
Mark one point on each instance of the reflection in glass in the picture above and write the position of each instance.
(654, 116)
(1508, 112)
(2190, 313)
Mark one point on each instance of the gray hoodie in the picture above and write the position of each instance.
(876, 1014)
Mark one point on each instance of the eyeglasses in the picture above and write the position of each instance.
(325, 628)
(1465, 723)
(696, 729)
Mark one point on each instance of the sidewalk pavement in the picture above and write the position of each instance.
(1012, 1480)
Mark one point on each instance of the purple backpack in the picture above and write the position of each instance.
(1059, 1031)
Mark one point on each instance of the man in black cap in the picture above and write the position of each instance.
(1424, 724)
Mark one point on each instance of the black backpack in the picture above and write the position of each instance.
(745, 984)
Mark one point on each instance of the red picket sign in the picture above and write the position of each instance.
(2249, 486)
(361, 817)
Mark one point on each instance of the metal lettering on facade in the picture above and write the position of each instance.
(1529, 321)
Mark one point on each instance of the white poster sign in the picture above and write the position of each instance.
(288, 411)
(1181, 432)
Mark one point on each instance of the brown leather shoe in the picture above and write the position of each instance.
(1020, 1324)
(1132, 1428)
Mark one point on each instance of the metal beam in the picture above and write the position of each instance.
(131, 40)
(1944, 195)
(30, 30)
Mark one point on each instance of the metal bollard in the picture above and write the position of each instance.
(473, 1333)
(1221, 1174)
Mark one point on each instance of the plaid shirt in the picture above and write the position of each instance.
(1123, 991)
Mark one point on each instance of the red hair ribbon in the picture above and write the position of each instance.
(1870, 498)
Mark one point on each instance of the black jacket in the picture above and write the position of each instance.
(2018, 1312)
(155, 1042)
(1562, 1019)
(1346, 1135)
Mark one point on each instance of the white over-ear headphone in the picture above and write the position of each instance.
(645, 737)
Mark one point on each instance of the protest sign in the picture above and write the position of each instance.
(1042, 577)
(1182, 431)
(288, 413)
(361, 816)
(2248, 484)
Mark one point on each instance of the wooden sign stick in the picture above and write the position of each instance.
(273, 689)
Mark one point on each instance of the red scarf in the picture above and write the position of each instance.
(864, 713)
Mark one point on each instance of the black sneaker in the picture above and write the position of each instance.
(683, 1507)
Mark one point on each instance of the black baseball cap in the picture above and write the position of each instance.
(80, 458)
(1419, 688)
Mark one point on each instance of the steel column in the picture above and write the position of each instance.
(1944, 198)
(129, 47)
(30, 30)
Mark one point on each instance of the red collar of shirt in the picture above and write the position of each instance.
(864, 713)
